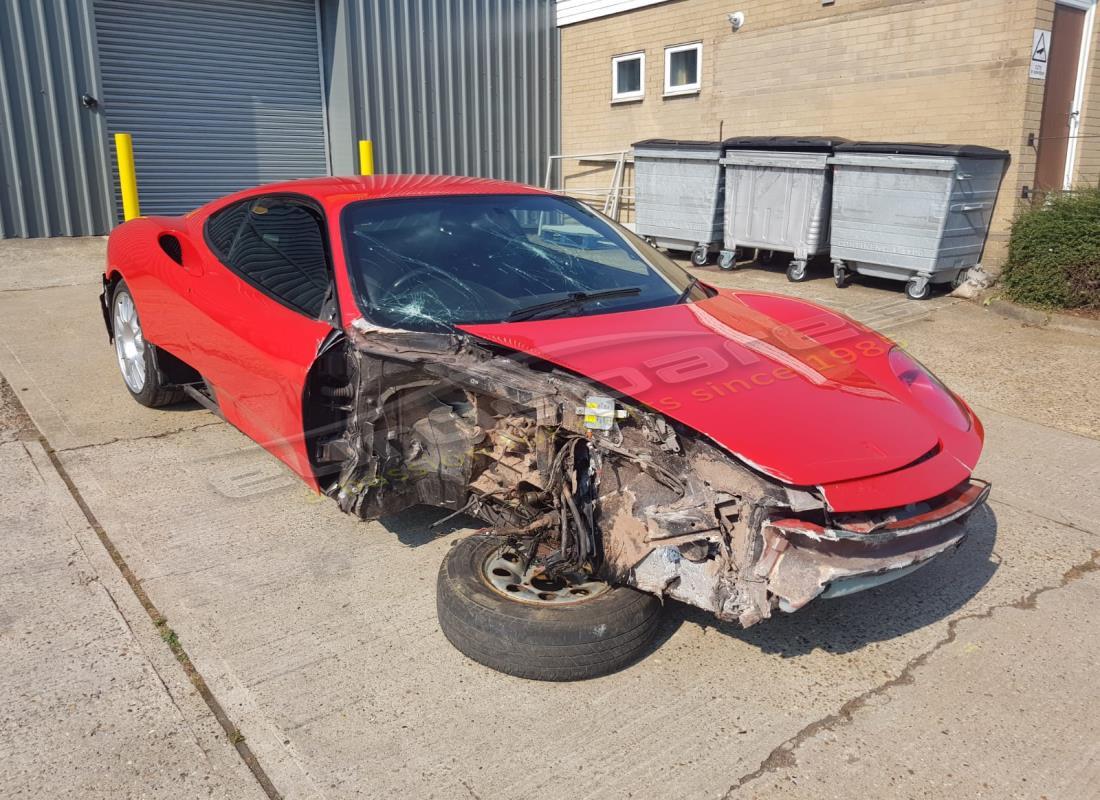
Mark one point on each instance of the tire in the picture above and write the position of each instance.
(796, 272)
(727, 260)
(841, 275)
(918, 289)
(542, 642)
(700, 256)
(137, 359)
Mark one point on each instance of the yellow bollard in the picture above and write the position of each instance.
(366, 157)
(127, 179)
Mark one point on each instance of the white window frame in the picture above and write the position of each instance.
(687, 88)
(627, 97)
(1089, 7)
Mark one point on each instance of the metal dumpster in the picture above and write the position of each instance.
(678, 195)
(918, 213)
(777, 197)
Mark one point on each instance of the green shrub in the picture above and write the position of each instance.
(1054, 253)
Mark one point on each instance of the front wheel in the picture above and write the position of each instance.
(700, 255)
(533, 626)
(796, 272)
(137, 357)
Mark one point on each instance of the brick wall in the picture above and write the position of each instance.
(916, 70)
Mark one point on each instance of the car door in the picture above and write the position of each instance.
(263, 307)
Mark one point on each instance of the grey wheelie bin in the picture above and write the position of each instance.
(678, 195)
(777, 197)
(917, 213)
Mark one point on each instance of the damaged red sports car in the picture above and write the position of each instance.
(626, 432)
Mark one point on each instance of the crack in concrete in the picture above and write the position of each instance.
(196, 679)
(1028, 421)
(1064, 522)
(117, 439)
(21, 289)
(783, 756)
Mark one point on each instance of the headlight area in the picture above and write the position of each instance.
(928, 390)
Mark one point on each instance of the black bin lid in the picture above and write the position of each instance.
(677, 144)
(809, 144)
(924, 149)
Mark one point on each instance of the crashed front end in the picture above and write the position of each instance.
(793, 561)
(583, 484)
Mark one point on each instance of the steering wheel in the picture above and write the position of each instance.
(418, 273)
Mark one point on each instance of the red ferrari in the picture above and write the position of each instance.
(626, 432)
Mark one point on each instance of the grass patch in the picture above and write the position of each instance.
(169, 636)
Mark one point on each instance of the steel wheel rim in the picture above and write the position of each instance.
(502, 572)
(129, 343)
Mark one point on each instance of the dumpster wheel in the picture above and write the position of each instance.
(841, 275)
(796, 272)
(918, 288)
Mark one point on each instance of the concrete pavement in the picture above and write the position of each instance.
(316, 634)
(94, 704)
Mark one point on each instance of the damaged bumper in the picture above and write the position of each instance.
(798, 561)
(809, 561)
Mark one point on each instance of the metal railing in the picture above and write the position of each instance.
(613, 196)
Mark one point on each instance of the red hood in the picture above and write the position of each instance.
(793, 389)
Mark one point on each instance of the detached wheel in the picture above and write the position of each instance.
(534, 627)
(136, 357)
(918, 288)
(699, 256)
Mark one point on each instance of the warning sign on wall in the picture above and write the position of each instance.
(1040, 53)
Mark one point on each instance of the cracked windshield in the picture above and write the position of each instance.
(431, 263)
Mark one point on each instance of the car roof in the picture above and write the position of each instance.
(338, 191)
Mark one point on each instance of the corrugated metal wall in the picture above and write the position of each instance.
(464, 87)
(218, 96)
(53, 156)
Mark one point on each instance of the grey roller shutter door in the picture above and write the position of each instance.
(218, 96)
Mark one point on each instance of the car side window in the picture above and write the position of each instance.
(278, 245)
(222, 227)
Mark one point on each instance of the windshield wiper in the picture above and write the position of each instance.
(573, 299)
(688, 290)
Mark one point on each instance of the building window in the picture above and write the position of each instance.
(683, 64)
(628, 77)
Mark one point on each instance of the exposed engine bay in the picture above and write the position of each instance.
(585, 484)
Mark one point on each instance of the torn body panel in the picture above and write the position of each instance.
(444, 420)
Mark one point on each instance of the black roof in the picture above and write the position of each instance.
(924, 149)
(678, 144)
(811, 144)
